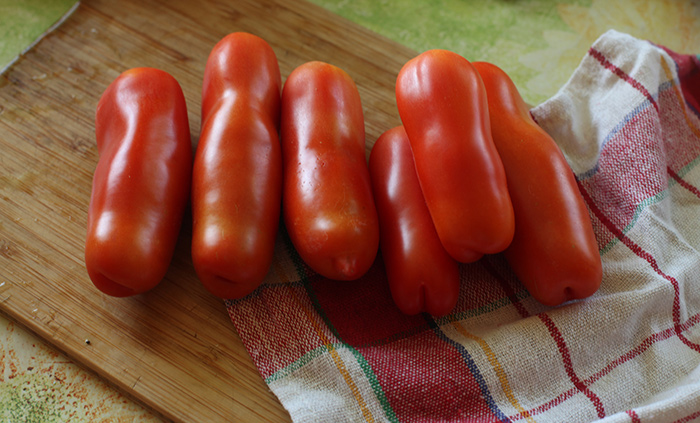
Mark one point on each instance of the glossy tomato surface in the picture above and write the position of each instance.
(141, 183)
(422, 276)
(237, 176)
(328, 208)
(442, 104)
(554, 251)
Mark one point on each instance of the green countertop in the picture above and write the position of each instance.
(23, 22)
(537, 42)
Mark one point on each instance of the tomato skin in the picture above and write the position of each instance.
(141, 184)
(237, 175)
(327, 202)
(554, 251)
(442, 104)
(422, 276)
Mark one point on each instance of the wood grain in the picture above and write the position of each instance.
(174, 349)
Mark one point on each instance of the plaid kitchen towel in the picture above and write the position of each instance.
(628, 123)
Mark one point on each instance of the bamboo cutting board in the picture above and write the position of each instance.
(173, 349)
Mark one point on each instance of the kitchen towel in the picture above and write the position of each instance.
(628, 123)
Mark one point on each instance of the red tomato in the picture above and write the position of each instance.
(554, 251)
(327, 199)
(141, 184)
(442, 104)
(422, 276)
(237, 176)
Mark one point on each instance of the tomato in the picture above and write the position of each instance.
(327, 202)
(442, 104)
(422, 276)
(554, 251)
(237, 175)
(141, 184)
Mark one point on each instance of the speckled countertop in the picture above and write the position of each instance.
(39, 384)
(537, 42)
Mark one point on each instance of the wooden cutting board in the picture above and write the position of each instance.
(173, 349)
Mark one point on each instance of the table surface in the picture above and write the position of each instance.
(538, 43)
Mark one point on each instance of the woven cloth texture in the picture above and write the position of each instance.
(628, 124)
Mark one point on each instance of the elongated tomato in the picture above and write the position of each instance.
(141, 183)
(442, 104)
(422, 276)
(327, 200)
(237, 176)
(554, 250)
